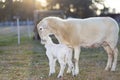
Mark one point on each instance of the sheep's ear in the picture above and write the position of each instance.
(42, 24)
(38, 25)
(45, 25)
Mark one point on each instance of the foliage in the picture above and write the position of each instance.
(81, 7)
(10, 9)
(25, 8)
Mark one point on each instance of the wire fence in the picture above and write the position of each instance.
(7, 32)
(14, 23)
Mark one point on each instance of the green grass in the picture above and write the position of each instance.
(28, 61)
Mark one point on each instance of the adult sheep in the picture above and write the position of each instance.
(89, 32)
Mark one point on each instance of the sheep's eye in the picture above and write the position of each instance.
(40, 28)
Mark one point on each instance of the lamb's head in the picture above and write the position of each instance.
(46, 40)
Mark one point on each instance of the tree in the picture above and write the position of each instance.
(8, 9)
(2, 11)
(25, 8)
(77, 7)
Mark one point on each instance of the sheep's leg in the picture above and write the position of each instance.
(115, 53)
(76, 59)
(110, 57)
(54, 64)
(62, 67)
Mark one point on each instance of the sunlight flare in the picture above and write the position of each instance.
(43, 2)
(114, 4)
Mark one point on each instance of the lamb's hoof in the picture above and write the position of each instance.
(50, 74)
(74, 75)
(59, 76)
(68, 72)
(107, 69)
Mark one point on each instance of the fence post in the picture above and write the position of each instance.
(28, 28)
(18, 30)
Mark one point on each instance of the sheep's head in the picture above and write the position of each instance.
(50, 26)
(43, 29)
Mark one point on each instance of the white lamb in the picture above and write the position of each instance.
(59, 52)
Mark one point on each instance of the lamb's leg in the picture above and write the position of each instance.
(69, 62)
(70, 67)
(62, 67)
(54, 64)
(52, 69)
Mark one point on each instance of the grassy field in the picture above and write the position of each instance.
(28, 61)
